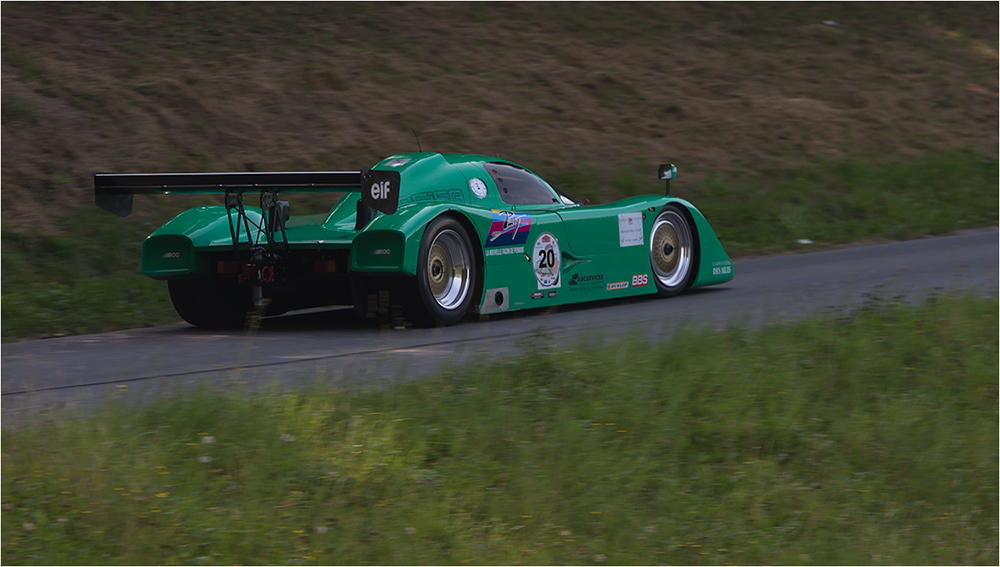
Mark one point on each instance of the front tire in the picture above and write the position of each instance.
(672, 250)
(446, 273)
(211, 303)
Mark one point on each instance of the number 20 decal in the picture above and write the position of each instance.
(546, 258)
(546, 261)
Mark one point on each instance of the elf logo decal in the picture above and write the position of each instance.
(617, 285)
(508, 229)
(546, 260)
(640, 280)
(381, 190)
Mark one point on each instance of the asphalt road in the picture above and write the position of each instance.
(333, 346)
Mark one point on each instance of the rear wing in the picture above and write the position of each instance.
(113, 191)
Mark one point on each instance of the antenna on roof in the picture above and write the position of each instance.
(418, 141)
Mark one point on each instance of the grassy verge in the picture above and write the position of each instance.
(84, 280)
(87, 279)
(865, 439)
(848, 201)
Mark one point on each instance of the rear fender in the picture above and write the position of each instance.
(207, 226)
(390, 244)
(171, 250)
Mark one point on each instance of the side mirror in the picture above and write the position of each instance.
(666, 172)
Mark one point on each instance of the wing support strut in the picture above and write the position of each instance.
(264, 261)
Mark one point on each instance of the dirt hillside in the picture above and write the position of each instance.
(596, 89)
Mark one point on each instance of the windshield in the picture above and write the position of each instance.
(520, 187)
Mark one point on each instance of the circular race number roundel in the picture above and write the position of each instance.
(477, 187)
(546, 260)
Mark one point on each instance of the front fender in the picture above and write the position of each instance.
(714, 265)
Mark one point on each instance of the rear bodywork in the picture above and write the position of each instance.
(595, 252)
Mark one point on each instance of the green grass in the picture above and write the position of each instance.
(85, 280)
(848, 201)
(860, 438)
(829, 203)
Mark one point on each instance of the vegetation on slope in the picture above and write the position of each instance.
(787, 121)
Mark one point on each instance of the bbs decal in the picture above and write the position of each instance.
(640, 280)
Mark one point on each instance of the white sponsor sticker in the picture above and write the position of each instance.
(505, 251)
(617, 285)
(477, 187)
(723, 267)
(546, 260)
(630, 229)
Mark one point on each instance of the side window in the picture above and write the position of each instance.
(518, 187)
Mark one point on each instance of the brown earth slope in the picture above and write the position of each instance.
(600, 88)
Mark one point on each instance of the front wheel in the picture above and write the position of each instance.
(446, 273)
(671, 251)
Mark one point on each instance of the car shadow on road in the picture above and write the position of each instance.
(347, 319)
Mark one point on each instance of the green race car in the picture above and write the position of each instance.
(426, 237)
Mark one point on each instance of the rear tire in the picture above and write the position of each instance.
(672, 251)
(446, 273)
(211, 303)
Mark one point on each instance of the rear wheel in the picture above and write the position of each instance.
(672, 251)
(211, 303)
(446, 273)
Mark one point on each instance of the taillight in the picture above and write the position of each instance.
(226, 267)
(325, 266)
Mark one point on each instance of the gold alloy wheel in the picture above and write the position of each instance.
(448, 272)
(670, 249)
